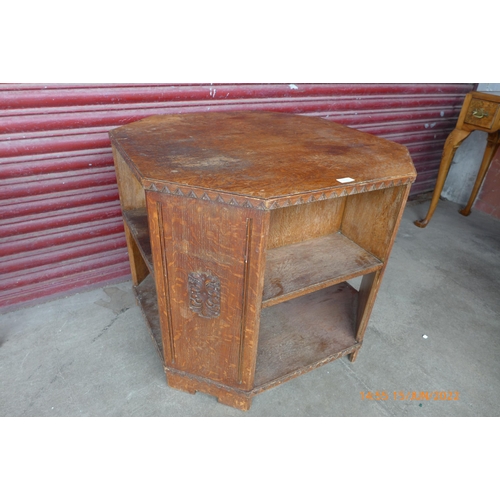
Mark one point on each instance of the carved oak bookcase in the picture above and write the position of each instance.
(243, 229)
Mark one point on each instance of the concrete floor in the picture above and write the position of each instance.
(90, 354)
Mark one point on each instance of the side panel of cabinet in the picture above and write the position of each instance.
(130, 189)
(155, 224)
(212, 277)
(131, 197)
(372, 221)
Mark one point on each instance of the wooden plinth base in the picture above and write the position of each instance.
(224, 395)
(242, 400)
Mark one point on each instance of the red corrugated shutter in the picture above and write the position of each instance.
(60, 222)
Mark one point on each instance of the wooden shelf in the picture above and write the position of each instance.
(301, 334)
(146, 297)
(301, 268)
(292, 270)
(137, 222)
(290, 343)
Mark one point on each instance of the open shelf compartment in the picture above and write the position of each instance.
(311, 265)
(303, 333)
(291, 270)
(137, 222)
(290, 342)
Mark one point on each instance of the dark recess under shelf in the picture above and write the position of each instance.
(145, 293)
(137, 222)
(300, 334)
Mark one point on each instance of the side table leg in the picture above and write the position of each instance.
(489, 153)
(450, 146)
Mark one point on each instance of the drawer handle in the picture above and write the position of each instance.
(479, 113)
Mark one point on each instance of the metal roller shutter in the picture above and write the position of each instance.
(60, 222)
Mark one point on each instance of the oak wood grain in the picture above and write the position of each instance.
(304, 331)
(131, 197)
(298, 223)
(451, 144)
(474, 102)
(213, 239)
(157, 239)
(310, 265)
(258, 154)
(370, 219)
(225, 395)
(481, 113)
(130, 190)
(370, 283)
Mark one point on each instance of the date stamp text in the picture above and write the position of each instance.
(411, 395)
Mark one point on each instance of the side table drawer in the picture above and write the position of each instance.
(481, 113)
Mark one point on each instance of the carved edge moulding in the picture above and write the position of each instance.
(273, 203)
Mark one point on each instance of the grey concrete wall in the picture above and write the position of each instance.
(465, 165)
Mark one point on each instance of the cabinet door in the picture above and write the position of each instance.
(212, 267)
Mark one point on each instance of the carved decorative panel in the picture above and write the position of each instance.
(204, 294)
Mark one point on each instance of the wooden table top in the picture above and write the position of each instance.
(260, 155)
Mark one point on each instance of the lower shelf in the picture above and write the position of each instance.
(295, 336)
(303, 333)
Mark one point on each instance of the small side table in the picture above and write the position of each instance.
(480, 111)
